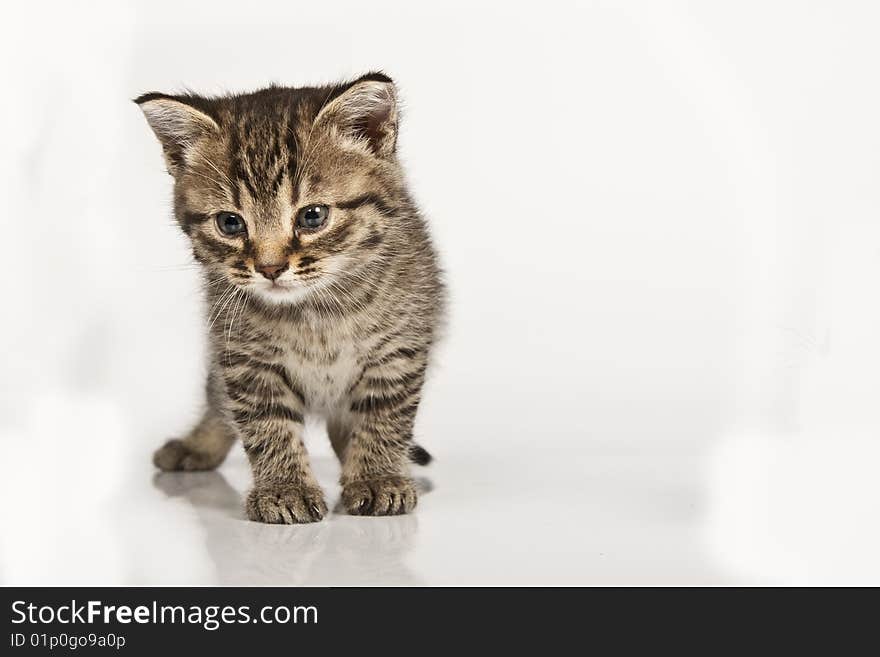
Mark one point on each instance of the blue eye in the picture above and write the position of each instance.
(312, 216)
(230, 223)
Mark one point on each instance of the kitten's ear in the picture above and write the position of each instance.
(178, 124)
(366, 111)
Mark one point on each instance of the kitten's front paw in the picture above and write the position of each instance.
(285, 504)
(388, 496)
(177, 455)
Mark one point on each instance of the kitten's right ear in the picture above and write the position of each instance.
(178, 124)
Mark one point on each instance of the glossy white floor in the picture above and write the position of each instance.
(587, 513)
(487, 519)
(592, 515)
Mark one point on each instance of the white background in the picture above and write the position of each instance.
(660, 225)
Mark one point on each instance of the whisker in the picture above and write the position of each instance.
(226, 294)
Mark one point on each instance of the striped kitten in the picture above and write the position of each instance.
(324, 288)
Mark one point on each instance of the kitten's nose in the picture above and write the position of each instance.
(272, 271)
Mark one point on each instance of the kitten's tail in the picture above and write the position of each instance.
(419, 455)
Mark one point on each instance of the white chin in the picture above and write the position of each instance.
(280, 294)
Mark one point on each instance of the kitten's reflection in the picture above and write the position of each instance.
(340, 550)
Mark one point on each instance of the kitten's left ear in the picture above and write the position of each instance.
(178, 124)
(366, 111)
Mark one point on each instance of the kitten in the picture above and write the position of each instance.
(324, 288)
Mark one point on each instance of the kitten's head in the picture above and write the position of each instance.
(283, 191)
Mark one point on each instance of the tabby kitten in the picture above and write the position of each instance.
(323, 287)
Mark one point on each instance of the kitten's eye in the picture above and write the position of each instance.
(312, 216)
(230, 223)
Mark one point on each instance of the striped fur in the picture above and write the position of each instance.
(346, 330)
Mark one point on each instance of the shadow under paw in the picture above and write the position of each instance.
(388, 496)
(177, 455)
(285, 504)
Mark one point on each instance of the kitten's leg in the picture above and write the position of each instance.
(375, 473)
(267, 410)
(339, 433)
(204, 448)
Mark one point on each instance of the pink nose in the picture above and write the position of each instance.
(272, 271)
